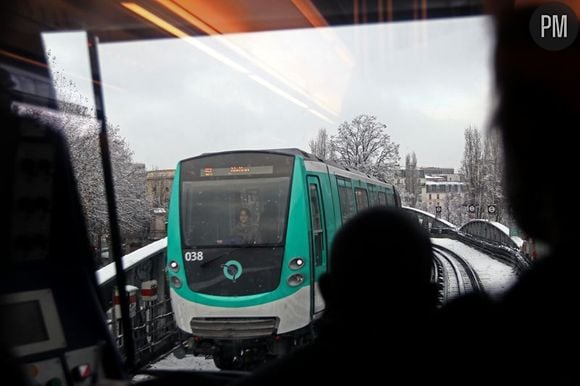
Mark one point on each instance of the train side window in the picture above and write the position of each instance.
(362, 198)
(390, 198)
(346, 198)
(373, 199)
(382, 198)
(316, 223)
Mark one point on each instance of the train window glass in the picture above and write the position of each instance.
(68, 62)
(316, 223)
(211, 215)
(382, 198)
(227, 204)
(362, 199)
(373, 199)
(346, 199)
(391, 199)
(177, 98)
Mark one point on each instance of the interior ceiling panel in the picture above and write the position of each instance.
(228, 16)
(121, 20)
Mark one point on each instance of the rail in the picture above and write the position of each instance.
(502, 253)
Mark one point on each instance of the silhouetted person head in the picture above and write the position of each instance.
(538, 114)
(382, 257)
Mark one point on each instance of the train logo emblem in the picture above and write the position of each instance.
(232, 270)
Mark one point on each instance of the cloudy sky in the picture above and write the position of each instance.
(177, 98)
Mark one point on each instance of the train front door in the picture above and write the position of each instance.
(318, 248)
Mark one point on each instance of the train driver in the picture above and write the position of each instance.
(244, 232)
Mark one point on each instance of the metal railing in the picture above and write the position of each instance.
(153, 325)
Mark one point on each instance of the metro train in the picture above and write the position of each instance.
(247, 297)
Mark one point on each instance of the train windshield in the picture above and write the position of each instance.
(235, 199)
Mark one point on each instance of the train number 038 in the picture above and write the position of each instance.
(193, 256)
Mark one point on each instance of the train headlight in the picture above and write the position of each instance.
(295, 280)
(296, 263)
(175, 282)
(174, 266)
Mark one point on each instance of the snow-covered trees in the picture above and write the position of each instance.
(361, 144)
(408, 183)
(412, 186)
(483, 169)
(129, 179)
(453, 208)
(321, 146)
(493, 174)
(82, 134)
(472, 164)
(81, 131)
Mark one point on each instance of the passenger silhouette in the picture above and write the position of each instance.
(532, 334)
(379, 303)
(538, 115)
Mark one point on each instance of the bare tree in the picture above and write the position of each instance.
(320, 146)
(362, 144)
(493, 174)
(453, 209)
(472, 168)
(411, 179)
(483, 169)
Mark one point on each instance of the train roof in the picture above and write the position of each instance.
(293, 152)
(288, 151)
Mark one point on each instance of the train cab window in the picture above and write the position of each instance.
(362, 199)
(228, 204)
(346, 198)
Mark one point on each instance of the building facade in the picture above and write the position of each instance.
(158, 186)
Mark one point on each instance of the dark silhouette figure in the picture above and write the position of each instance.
(54, 256)
(539, 116)
(379, 303)
(531, 335)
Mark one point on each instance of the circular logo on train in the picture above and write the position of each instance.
(232, 270)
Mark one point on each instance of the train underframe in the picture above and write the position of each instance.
(249, 353)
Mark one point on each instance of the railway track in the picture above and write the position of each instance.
(454, 275)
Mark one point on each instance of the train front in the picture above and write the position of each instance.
(238, 270)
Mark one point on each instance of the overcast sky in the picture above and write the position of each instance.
(177, 98)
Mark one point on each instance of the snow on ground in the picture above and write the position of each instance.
(189, 362)
(495, 276)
